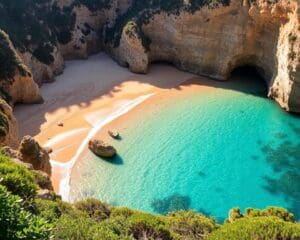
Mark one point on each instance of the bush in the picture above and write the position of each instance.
(271, 212)
(190, 225)
(10, 62)
(4, 125)
(147, 226)
(94, 208)
(253, 228)
(43, 54)
(17, 179)
(51, 210)
(16, 223)
(76, 226)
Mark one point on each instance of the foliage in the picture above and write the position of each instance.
(4, 124)
(190, 225)
(16, 178)
(16, 223)
(271, 212)
(76, 226)
(10, 62)
(92, 220)
(51, 210)
(94, 208)
(148, 226)
(93, 5)
(267, 228)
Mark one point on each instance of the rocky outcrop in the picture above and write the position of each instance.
(41, 177)
(214, 41)
(131, 52)
(41, 72)
(102, 149)
(23, 90)
(31, 152)
(16, 80)
(9, 135)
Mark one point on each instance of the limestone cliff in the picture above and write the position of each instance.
(8, 126)
(16, 85)
(212, 41)
(209, 38)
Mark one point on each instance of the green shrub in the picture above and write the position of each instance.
(4, 125)
(10, 62)
(94, 208)
(268, 228)
(148, 226)
(74, 227)
(123, 212)
(17, 179)
(16, 223)
(270, 212)
(190, 225)
(51, 210)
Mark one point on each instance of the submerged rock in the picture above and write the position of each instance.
(114, 133)
(102, 149)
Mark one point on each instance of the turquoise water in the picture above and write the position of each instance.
(206, 150)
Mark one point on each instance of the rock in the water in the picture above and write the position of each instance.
(31, 152)
(101, 148)
(114, 134)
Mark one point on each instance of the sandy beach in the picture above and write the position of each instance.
(85, 98)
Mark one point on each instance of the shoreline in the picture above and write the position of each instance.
(66, 168)
(85, 98)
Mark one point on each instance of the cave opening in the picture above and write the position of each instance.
(250, 79)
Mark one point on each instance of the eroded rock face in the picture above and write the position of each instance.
(102, 149)
(10, 133)
(41, 72)
(131, 52)
(213, 42)
(31, 152)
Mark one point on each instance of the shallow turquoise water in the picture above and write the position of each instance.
(209, 151)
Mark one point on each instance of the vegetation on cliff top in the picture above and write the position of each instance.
(24, 216)
(37, 26)
(10, 62)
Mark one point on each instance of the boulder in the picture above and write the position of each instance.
(102, 149)
(31, 152)
(114, 133)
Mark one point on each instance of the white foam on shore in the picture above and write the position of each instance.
(61, 137)
(66, 168)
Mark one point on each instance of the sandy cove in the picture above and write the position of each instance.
(87, 96)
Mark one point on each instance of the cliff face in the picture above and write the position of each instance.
(214, 41)
(9, 134)
(208, 39)
(16, 85)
